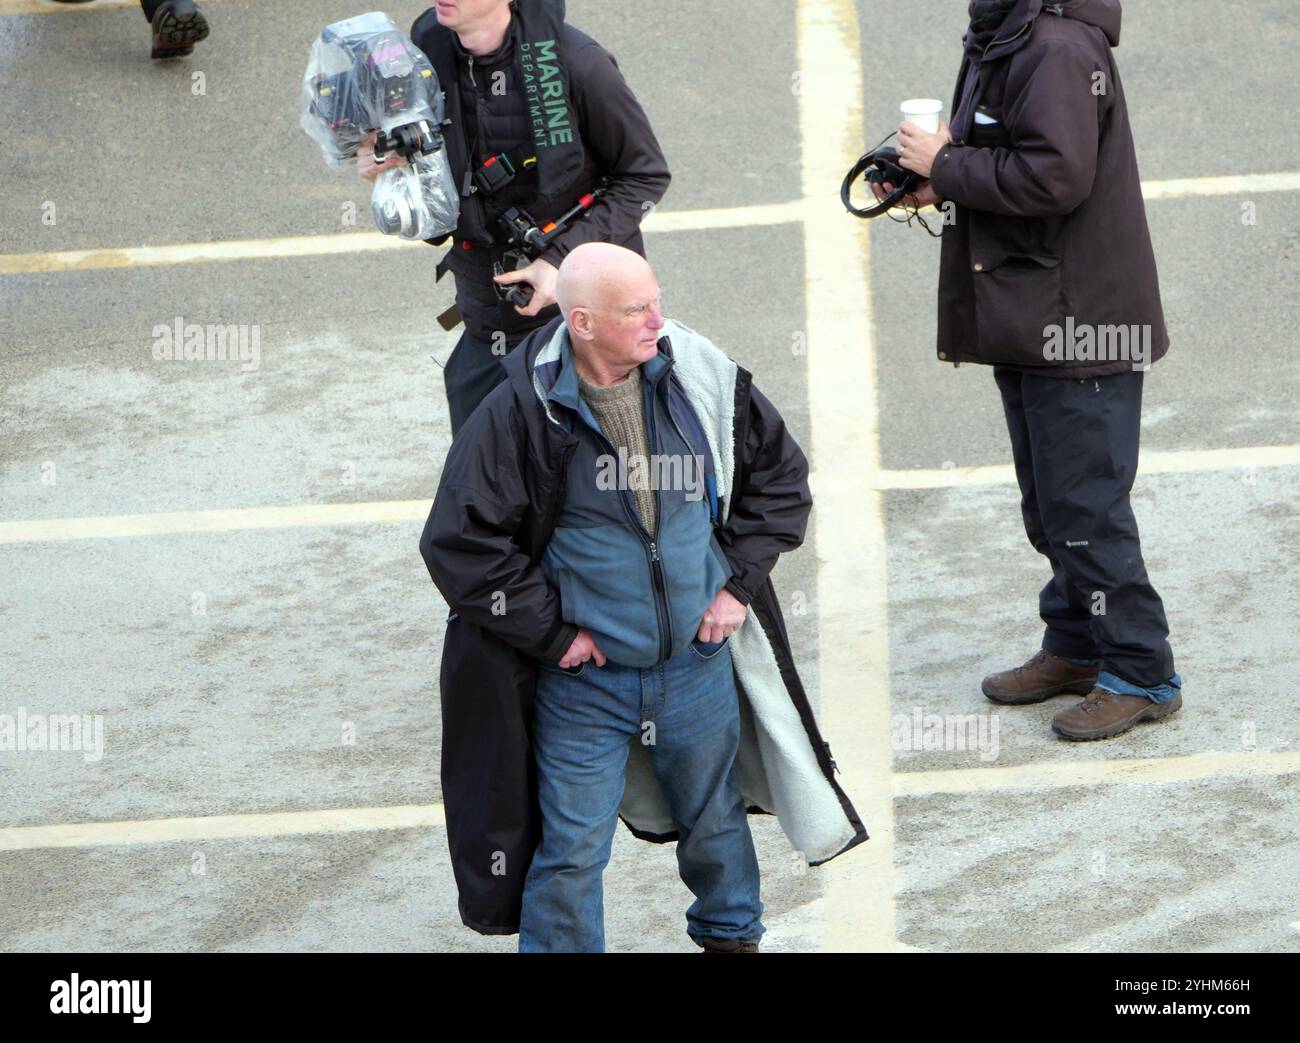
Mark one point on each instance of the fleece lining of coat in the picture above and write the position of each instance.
(776, 767)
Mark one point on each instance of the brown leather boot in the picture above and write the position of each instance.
(1103, 714)
(1042, 676)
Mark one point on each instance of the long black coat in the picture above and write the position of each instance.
(500, 491)
(1049, 229)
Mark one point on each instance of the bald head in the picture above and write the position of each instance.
(610, 301)
(600, 277)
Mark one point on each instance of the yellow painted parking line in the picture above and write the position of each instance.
(380, 512)
(1060, 775)
(1244, 185)
(1246, 460)
(221, 827)
(227, 520)
(657, 222)
(350, 243)
(23, 7)
(1030, 778)
(15, 7)
(18, 7)
(190, 253)
(758, 216)
(852, 645)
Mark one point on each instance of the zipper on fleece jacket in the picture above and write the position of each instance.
(656, 563)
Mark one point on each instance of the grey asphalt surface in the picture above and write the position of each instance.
(240, 709)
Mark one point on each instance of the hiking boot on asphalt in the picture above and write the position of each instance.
(177, 26)
(727, 945)
(1103, 714)
(1042, 676)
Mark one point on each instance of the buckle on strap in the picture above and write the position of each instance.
(499, 170)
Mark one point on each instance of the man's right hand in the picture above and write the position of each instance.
(366, 165)
(583, 648)
(923, 196)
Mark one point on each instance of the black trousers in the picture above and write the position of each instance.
(472, 371)
(1075, 444)
(149, 7)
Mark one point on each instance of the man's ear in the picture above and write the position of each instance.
(582, 324)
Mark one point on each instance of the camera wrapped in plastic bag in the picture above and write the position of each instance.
(365, 75)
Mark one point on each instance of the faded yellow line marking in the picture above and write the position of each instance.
(348, 243)
(656, 222)
(17, 7)
(1059, 775)
(233, 519)
(46, 7)
(190, 253)
(221, 827)
(22, 7)
(852, 643)
(1233, 185)
(1183, 461)
(1020, 778)
(726, 217)
(230, 520)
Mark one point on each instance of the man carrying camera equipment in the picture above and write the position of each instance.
(549, 148)
(177, 25)
(616, 647)
(1049, 240)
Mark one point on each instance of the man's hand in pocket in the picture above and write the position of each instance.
(722, 619)
(583, 648)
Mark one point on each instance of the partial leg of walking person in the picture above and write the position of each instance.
(177, 25)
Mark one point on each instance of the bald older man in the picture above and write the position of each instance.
(604, 521)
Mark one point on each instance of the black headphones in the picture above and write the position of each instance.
(878, 166)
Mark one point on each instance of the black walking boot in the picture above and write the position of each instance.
(177, 26)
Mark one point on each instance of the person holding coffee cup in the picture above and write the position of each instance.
(1047, 232)
(920, 136)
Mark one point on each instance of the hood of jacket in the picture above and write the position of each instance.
(1104, 14)
(1014, 31)
(1011, 36)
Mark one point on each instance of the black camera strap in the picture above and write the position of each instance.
(877, 165)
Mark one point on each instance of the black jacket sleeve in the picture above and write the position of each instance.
(1053, 118)
(771, 502)
(468, 542)
(616, 131)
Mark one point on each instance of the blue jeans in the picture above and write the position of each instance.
(1161, 693)
(584, 720)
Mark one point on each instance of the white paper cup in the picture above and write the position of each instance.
(924, 112)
